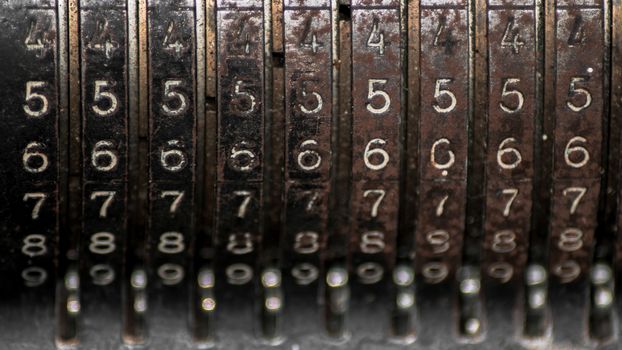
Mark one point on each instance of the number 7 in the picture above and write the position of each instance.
(244, 204)
(580, 193)
(513, 192)
(175, 204)
(374, 208)
(103, 210)
(40, 196)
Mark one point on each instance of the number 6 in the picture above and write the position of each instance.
(580, 149)
(370, 152)
(446, 165)
(503, 150)
(31, 152)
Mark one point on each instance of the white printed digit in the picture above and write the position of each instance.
(247, 199)
(380, 196)
(179, 195)
(103, 210)
(34, 96)
(513, 192)
(40, 197)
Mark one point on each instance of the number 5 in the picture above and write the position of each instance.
(371, 93)
(244, 95)
(170, 95)
(574, 90)
(319, 103)
(440, 91)
(32, 96)
(508, 91)
(101, 95)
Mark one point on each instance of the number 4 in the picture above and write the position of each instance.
(378, 36)
(511, 38)
(311, 43)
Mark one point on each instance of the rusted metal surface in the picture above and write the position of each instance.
(376, 159)
(308, 109)
(376, 130)
(444, 84)
(577, 136)
(308, 79)
(291, 108)
(511, 131)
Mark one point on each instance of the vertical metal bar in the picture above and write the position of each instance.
(67, 301)
(104, 134)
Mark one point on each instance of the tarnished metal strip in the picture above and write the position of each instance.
(577, 137)
(510, 165)
(443, 138)
(240, 143)
(309, 105)
(200, 326)
(203, 298)
(444, 52)
(67, 293)
(134, 277)
(172, 160)
(376, 81)
(31, 156)
(376, 156)
(616, 102)
(30, 175)
(103, 37)
(511, 130)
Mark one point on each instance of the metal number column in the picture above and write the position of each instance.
(240, 144)
(512, 117)
(103, 36)
(577, 152)
(376, 158)
(172, 166)
(308, 40)
(30, 175)
(443, 146)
